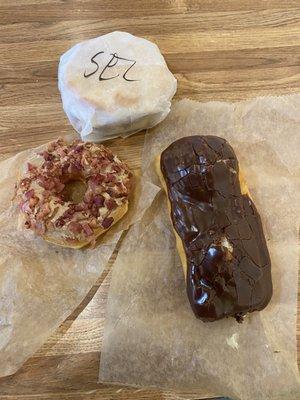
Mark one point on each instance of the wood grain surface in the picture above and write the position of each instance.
(218, 50)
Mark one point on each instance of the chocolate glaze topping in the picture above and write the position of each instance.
(228, 264)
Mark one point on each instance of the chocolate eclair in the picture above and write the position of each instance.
(218, 230)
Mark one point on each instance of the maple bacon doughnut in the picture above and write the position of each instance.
(76, 192)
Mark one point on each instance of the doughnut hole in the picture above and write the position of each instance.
(74, 190)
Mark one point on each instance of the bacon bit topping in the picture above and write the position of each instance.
(61, 152)
(60, 222)
(59, 187)
(65, 168)
(110, 191)
(79, 207)
(47, 156)
(94, 210)
(87, 229)
(46, 194)
(117, 168)
(25, 182)
(79, 148)
(97, 179)
(31, 167)
(29, 194)
(106, 223)
(110, 204)
(102, 163)
(99, 200)
(110, 156)
(40, 191)
(24, 207)
(44, 211)
(110, 178)
(75, 227)
(121, 190)
(69, 212)
(33, 201)
(46, 183)
(75, 167)
(88, 197)
(48, 165)
(94, 162)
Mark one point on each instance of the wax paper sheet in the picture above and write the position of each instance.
(151, 335)
(40, 283)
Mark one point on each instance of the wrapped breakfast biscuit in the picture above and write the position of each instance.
(115, 85)
(218, 230)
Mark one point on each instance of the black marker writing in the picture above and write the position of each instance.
(94, 62)
(109, 65)
(112, 62)
(124, 75)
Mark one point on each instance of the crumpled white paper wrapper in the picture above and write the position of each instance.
(151, 336)
(115, 85)
(40, 283)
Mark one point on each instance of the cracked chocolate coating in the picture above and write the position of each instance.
(228, 264)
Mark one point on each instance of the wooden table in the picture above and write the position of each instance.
(218, 50)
